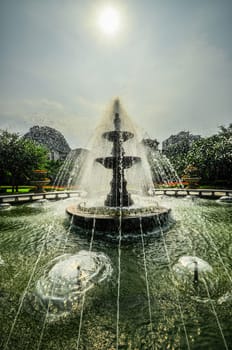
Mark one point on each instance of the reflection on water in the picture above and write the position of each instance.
(38, 246)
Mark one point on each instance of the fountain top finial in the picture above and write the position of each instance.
(117, 119)
(117, 122)
(116, 105)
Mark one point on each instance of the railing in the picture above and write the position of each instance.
(29, 197)
(203, 193)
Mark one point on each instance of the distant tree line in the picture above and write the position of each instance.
(212, 156)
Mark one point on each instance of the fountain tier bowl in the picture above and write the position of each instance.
(131, 221)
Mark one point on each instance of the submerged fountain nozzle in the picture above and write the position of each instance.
(196, 276)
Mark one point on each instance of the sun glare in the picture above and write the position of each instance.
(109, 21)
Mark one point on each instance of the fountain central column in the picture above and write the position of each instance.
(118, 162)
(118, 196)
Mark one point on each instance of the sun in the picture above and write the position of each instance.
(109, 21)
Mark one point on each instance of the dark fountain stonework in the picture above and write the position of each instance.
(116, 214)
(118, 196)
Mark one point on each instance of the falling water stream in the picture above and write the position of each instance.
(172, 278)
(215, 314)
(27, 287)
(119, 253)
(83, 298)
(53, 286)
(118, 281)
(146, 278)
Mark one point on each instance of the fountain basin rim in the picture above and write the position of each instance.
(129, 225)
(73, 210)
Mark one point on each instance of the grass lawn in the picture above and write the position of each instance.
(25, 189)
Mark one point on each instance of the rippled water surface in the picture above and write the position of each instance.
(184, 315)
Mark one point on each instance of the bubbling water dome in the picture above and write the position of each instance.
(116, 180)
(65, 281)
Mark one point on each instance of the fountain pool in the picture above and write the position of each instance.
(175, 314)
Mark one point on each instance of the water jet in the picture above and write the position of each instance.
(120, 207)
(225, 199)
(66, 279)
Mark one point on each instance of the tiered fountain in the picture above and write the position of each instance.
(119, 209)
(118, 196)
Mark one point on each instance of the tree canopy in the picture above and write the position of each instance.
(212, 156)
(177, 153)
(19, 157)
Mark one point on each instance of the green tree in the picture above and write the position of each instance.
(213, 156)
(151, 144)
(226, 131)
(53, 167)
(177, 154)
(19, 157)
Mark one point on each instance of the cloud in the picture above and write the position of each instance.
(75, 121)
(188, 90)
(170, 71)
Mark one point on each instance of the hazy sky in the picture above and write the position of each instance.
(171, 64)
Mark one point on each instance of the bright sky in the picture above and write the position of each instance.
(62, 62)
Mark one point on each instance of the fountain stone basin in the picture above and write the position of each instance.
(106, 219)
